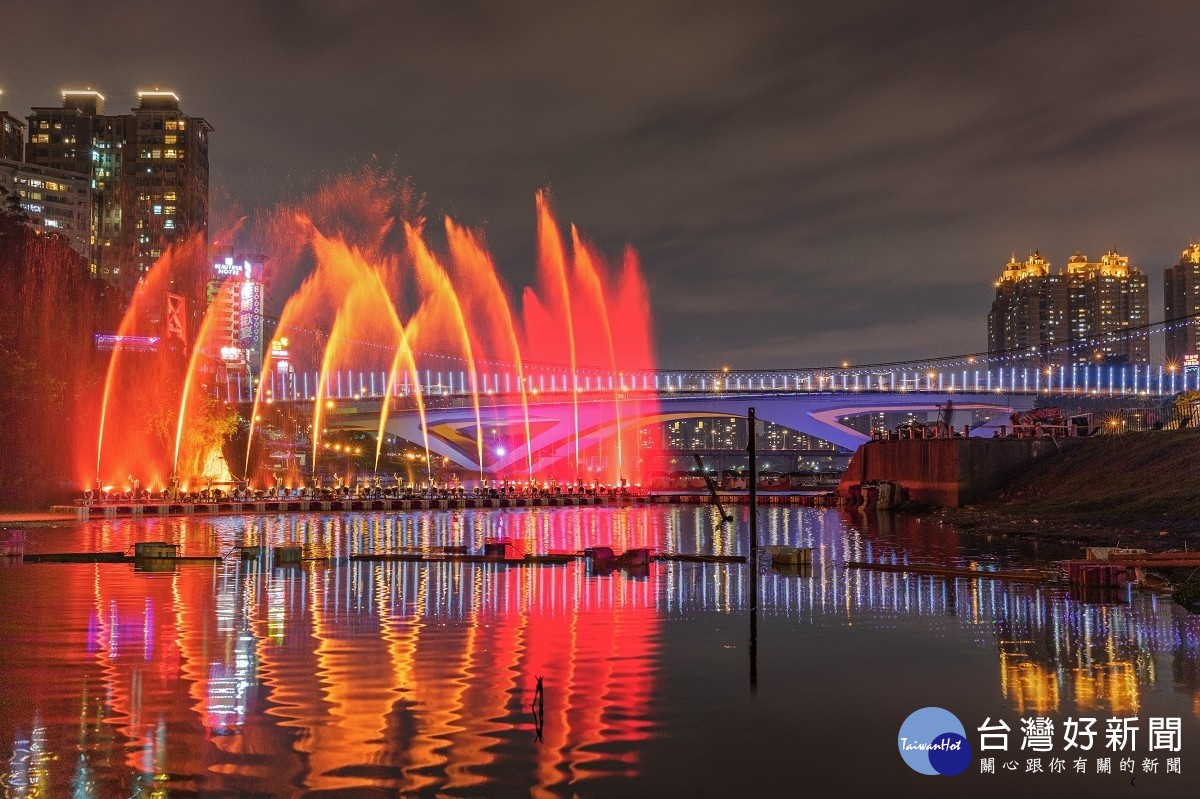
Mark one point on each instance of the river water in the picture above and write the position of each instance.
(347, 677)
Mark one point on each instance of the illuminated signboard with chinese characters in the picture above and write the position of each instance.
(250, 317)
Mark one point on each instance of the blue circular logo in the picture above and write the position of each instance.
(933, 741)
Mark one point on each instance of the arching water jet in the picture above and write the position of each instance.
(199, 348)
(468, 254)
(432, 272)
(552, 265)
(588, 271)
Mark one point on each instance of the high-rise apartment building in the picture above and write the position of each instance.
(78, 137)
(1181, 301)
(63, 137)
(148, 170)
(1094, 312)
(164, 180)
(1109, 311)
(1028, 322)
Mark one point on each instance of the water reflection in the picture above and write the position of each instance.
(241, 678)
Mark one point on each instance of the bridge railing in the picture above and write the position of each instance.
(554, 386)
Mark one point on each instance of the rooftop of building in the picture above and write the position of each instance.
(158, 100)
(1111, 264)
(91, 102)
(1033, 266)
(86, 101)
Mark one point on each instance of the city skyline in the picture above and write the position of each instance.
(810, 177)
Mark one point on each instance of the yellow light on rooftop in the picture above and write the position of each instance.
(91, 92)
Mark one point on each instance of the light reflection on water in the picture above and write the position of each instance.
(243, 679)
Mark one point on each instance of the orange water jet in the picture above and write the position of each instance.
(431, 272)
(477, 269)
(552, 268)
(199, 350)
(588, 270)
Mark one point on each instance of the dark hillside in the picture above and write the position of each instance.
(1131, 484)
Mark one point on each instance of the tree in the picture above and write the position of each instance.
(49, 369)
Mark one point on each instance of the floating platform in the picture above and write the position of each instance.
(684, 557)
(789, 556)
(947, 571)
(1152, 560)
(823, 500)
(451, 554)
(463, 557)
(1095, 573)
(113, 557)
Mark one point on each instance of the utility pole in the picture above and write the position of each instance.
(751, 424)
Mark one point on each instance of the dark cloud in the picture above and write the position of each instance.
(806, 183)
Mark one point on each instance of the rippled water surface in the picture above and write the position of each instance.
(350, 677)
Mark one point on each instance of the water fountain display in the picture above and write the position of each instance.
(420, 308)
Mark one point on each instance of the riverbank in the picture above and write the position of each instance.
(1136, 489)
(30, 519)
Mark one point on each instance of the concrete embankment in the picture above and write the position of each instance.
(949, 472)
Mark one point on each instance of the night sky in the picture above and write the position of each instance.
(806, 183)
